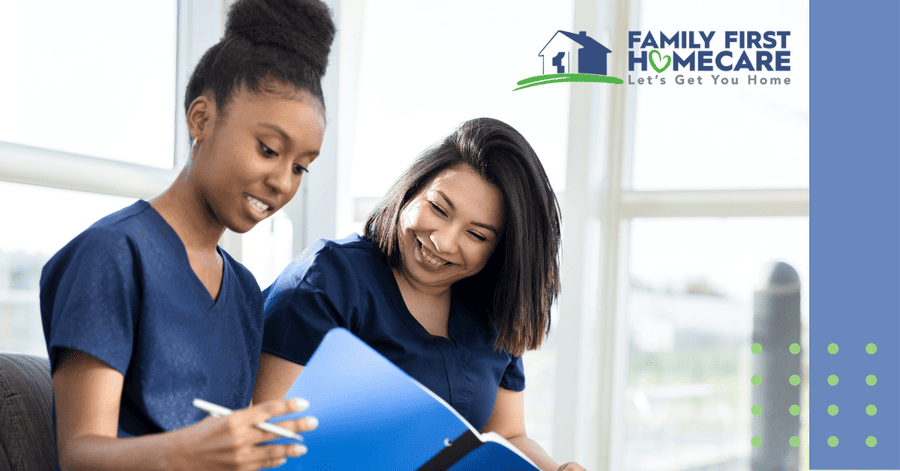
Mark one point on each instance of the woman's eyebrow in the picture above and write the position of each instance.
(284, 135)
(488, 227)
(479, 224)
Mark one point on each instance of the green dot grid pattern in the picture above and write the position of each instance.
(756, 409)
(871, 441)
(832, 348)
(756, 380)
(795, 441)
(794, 348)
(794, 379)
(833, 410)
(756, 348)
(795, 409)
(871, 348)
(871, 409)
(756, 441)
(833, 380)
(833, 441)
(871, 380)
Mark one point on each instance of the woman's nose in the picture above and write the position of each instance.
(281, 178)
(445, 240)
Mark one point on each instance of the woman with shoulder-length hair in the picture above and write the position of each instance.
(452, 281)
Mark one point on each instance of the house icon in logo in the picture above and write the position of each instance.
(591, 55)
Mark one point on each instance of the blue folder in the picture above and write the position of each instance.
(372, 415)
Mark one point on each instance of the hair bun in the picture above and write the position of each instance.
(303, 27)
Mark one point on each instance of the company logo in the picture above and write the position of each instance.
(557, 61)
(688, 52)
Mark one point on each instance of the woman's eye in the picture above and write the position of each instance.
(267, 151)
(478, 236)
(438, 209)
(299, 169)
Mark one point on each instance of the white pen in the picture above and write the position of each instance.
(219, 411)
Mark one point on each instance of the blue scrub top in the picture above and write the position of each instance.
(347, 284)
(124, 292)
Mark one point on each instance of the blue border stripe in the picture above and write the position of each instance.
(854, 231)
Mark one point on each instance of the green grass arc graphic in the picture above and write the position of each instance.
(559, 78)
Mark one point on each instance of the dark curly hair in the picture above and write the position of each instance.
(266, 41)
(519, 283)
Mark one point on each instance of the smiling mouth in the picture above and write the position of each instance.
(431, 257)
(257, 204)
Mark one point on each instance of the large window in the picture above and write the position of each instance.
(703, 158)
(690, 315)
(94, 78)
(90, 120)
(39, 221)
(674, 199)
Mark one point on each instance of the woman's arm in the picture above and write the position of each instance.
(275, 377)
(508, 420)
(87, 393)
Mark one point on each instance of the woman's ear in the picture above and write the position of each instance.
(200, 116)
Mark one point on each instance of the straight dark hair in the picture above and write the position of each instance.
(520, 282)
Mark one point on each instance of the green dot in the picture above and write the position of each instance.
(833, 380)
(832, 409)
(756, 409)
(871, 410)
(871, 380)
(832, 348)
(871, 349)
(871, 441)
(756, 380)
(756, 348)
(795, 441)
(795, 409)
(832, 441)
(794, 348)
(756, 441)
(795, 380)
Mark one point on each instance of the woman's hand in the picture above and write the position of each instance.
(87, 394)
(231, 442)
(571, 466)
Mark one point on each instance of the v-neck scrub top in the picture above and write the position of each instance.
(347, 284)
(124, 292)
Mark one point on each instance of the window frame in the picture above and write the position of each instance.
(51, 168)
(201, 24)
(592, 364)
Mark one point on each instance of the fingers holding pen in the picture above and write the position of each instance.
(259, 417)
(230, 440)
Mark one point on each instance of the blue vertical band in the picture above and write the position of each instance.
(854, 232)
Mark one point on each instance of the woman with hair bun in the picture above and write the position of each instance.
(452, 281)
(143, 312)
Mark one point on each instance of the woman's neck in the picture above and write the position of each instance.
(428, 305)
(184, 210)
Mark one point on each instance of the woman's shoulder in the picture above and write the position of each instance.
(113, 234)
(138, 222)
(350, 254)
(332, 263)
(354, 245)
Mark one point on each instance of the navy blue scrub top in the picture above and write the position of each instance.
(124, 292)
(347, 284)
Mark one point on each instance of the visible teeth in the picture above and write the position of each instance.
(259, 205)
(431, 260)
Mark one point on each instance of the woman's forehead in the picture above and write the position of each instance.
(461, 185)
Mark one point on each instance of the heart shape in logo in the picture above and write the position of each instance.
(661, 57)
